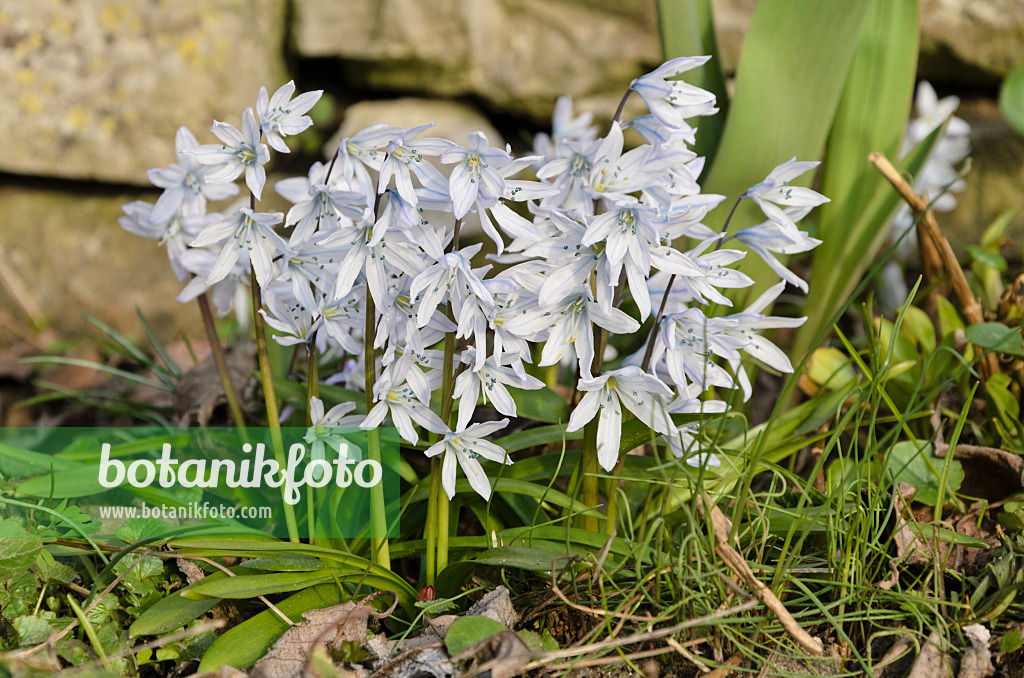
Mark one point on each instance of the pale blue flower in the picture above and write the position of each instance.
(281, 116)
(238, 152)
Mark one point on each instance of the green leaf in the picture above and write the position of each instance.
(1011, 98)
(174, 611)
(449, 582)
(527, 558)
(538, 642)
(1011, 642)
(540, 404)
(914, 463)
(983, 256)
(872, 116)
(465, 632)
(18, 548)
(687, 28)
(795, 61)
(137, 529)
(998, 338)
(250, 586)
(285, 562)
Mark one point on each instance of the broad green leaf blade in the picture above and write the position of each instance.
(465, 632)
(872, 116)
(18, 548)
(687, 28)
(541, 404)
(795, 60)
(998, 338)
(836, 280)
(175, 610)
(1011, 98)
(527, 558)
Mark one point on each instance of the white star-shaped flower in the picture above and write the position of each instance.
(464, 447)
(238, 152)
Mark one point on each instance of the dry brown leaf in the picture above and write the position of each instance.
(429, 660)
(977, 659)
(199, 390)
(496, 605)
(931, 662)
(328, 626)
(192, 572)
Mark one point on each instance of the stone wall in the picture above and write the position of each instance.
(95, 89)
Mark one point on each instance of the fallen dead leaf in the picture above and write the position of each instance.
(931, 662)
(496, 605)
(329, 627)
(199, 390)
(977, 659)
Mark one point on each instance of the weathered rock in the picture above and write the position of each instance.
(995, 183)
(454, 120)
(70, 256)
(971, 41)
(518, 55)
(96, 89)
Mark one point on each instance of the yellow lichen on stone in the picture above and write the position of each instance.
(24, 76)
(61, 25)
(107, 125)
(32, 41)
(77, 118)
(30, 102)
(115, 15)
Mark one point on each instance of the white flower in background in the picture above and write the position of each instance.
(185, 183)
(231, 292)
(465, 447)
(173, 233)
(489, 383)
(246, 232)
(642, 395)
(281, 116)
(318, 205)
(769, 238)
(239, 152)
(405, 408)
(477, 172)
(673, 101)
(774, 195)
(298, 320)
(937, 179)
(564, 127)
(321, 437)
(570, 321)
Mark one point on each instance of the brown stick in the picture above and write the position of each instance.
(972, 309)
(721, 525)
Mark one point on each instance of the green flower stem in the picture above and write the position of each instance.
(222, 366)
(443, 504)
(273, 417)
(430, 527)
(613, 509)
(312, 379)
(447, 389)
(312, 389)
(378, 519)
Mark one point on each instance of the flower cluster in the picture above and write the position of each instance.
(590, 239)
